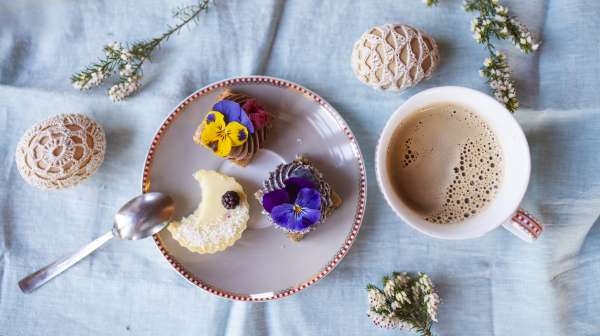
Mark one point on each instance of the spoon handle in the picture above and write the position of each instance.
(44, 275)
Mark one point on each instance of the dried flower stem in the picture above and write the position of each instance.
(129, 60)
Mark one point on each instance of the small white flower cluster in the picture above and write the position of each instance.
(523, 39)
(122, 91)
(389, 288)
(116, 56)
(402, 280)
(389, 321)
(402, 296)
(376, 299)
(495, 21)
(127, 70)
(126, 55)
(128, 59)
(499, 80)
(377, 302)
(96, 78)
(431, 299)
(476, 27)
(115, 46)
(403, 283)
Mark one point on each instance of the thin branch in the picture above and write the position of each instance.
(129, 60)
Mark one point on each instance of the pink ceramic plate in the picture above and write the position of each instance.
(264, 264)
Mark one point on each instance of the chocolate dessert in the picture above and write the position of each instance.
(263, 122)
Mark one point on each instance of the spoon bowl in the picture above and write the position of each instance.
(141, 217)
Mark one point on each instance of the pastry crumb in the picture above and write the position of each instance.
(282, 246)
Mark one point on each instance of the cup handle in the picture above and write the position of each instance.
(524, 225)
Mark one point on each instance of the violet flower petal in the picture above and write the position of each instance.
(293, 185)
(229, 110)
(303, 219)
(282, 213)
(308, 198)
(233, 112)
(296, 222)
(311, 216)
(274, 198)
(244, 120)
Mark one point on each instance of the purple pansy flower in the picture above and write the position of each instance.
(296, 207)
(233, 112)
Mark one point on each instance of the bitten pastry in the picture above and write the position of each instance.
(228, 141)
(220, 219)
(296, 198)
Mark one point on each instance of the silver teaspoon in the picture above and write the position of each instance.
(141, 217)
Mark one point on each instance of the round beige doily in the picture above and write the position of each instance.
(394, 57)
(61, 151)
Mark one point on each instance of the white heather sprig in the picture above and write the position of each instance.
(494, 21)
(430, 297)
(128, 61)
(376, 298)
(402, 297)
(499, 79)
(404, 303)
(402, 280)
(389, 288)
(415, 292)
(96, 78)
(122, 91)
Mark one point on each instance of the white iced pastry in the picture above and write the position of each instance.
(212, 227)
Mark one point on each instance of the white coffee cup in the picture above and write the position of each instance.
(505, 208)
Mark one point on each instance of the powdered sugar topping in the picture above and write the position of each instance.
(214, 236)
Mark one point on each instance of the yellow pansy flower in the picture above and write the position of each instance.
(221, 137)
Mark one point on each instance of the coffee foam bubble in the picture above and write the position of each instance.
(475, 184)
(445, 163)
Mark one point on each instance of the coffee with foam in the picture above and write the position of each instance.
(445, 163)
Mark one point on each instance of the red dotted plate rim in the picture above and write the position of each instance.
(362, 180)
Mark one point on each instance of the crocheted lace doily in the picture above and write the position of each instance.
(394, 57)
(60, 152)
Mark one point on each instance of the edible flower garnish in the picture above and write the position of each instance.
(233, 112)
(296, 207)
(221, 136)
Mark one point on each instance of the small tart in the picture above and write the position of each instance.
(211, 227)
(329, 198)
(243, 154)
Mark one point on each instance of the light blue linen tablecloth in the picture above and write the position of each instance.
(493, 285)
